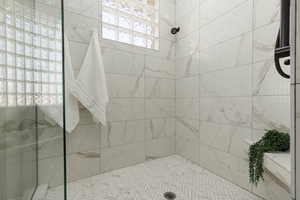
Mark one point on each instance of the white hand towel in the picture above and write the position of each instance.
(55, 112)
(90, 88)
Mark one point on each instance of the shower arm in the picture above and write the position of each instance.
(282, 48)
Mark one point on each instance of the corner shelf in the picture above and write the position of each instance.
(279, 164)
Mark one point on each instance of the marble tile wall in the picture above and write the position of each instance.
(227, 88)
(141, 111)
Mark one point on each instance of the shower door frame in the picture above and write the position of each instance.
(295, 100)
(64, 100)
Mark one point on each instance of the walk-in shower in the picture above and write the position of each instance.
(148, 99)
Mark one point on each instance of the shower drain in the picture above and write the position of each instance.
(170, 195)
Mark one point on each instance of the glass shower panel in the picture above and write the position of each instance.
(31, 144)
(49, 81)
(18, 147)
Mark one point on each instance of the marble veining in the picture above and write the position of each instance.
(160, 128)
(149, 180)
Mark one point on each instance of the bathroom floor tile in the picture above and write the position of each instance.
(150, 180)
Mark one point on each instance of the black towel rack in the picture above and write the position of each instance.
(282, 48)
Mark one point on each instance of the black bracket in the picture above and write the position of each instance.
(282, 49)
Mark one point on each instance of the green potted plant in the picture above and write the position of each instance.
(273, 141)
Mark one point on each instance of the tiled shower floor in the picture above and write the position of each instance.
(149, 180)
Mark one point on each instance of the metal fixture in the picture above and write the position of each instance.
(282, 49)
(175, 30)
(170, 195)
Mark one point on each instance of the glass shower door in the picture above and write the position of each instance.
(18, 147)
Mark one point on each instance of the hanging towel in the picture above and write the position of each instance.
(90, 88)
(55, 112)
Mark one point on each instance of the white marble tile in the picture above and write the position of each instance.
(215, 135)
(187, 139)
(187, 108)
(83, 138)
(159, 88)
(271, 190)
(125, 86)
(188, 45)
(125, 109)
(159, 108)
(187, 126)
(231, 53)
(187, 66)
(159, 67)
(121, 133)
(187, 87)
(166, 49)
(266, 117)
(183, 8)
(225, 138)
(267, 81)
(78, 27)
(83, 164)
(232, 24)
(89, 8)
(167, 18)
(122, 156)
(226, 110)
(264, 40)
(225, 165)
(266, 12)
(187, 147)
(123, 62)
(222, 83)
(237, 147)
(212, 9)
(188, 20)
(159, 128)
(160, 147)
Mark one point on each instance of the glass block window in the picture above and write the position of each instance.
(133, 22)
(30, 57)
